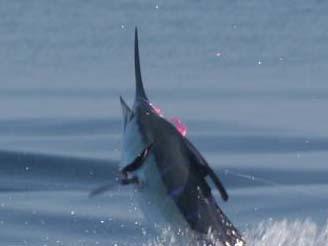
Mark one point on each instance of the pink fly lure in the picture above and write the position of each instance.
(179, 125)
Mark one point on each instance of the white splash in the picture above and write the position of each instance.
(288, 233)
(267, 233)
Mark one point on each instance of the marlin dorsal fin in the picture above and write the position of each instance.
(140, 92)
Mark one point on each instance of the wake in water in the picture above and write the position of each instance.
(267, 233)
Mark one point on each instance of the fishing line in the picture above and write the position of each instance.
(299, 190)
(251, 177)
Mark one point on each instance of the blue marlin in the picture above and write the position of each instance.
(170, 169)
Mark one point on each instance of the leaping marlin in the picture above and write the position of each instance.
(171, 170)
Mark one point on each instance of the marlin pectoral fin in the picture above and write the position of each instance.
(124, 178)
(201, 164)
(218, 184)
(132, 180)
(138, 162)
(100, 190)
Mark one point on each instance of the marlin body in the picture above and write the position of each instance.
(170, 170)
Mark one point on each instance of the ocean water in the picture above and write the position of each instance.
(248, 78)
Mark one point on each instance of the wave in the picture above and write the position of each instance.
(22, 171)
(27, 168)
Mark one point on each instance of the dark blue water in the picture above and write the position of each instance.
(248, 78)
